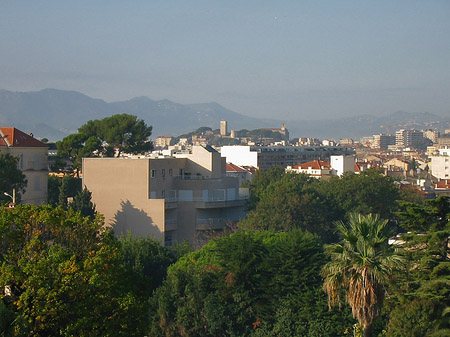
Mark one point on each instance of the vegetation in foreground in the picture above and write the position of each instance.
(62, 274)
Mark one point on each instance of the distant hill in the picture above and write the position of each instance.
(53, 114)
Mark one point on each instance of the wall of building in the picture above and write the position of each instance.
(155, 197)
(440, 167)
(342, 164)
(120, 191)
(239, 155)
(33, 161)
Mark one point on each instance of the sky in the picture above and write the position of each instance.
(270, 59)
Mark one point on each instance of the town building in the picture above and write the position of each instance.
(33, 161)
(323, 169)
(411, 138)
(265, 157)
(244, 174)
(440, 165)
(383, 141)
(432, 135)
(172, 199)
(163, 141)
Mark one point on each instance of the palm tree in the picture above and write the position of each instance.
(361, 266)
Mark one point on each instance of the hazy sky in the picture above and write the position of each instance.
(280, 59)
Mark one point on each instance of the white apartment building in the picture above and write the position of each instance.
(440, 165)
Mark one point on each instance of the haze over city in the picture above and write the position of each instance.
(307, 59)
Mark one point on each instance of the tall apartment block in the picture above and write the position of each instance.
(171, 199)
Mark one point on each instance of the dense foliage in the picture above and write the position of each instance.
(248, 284)
(282, 201)
(64, 275)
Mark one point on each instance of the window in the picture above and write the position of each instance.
(163, 172)
(163, 194)
(153, 174)
(37, 183)
(170, 172)
(181, 172)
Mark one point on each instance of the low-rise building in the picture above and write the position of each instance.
(33, 161)
(168, 198)
(322, 169)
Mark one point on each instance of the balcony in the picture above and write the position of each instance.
(213, 223)
(170, 224)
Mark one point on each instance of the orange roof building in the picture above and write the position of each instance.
(33, 161)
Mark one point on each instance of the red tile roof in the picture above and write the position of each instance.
(315, 165)
(443, 184)
(13, 137)
(234, 168)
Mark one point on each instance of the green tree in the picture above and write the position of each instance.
(283, 201)
(247, 284)
(424, 282)
(361, 265)
(69, 188)
(71, 148)
(54, 183)
(82, 203)
(365, 193)
(11, 178)
(66, 275)
(124, 132)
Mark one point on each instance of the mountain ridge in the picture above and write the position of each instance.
(40, 112)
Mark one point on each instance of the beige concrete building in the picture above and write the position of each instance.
(168, 198)
(33, 161)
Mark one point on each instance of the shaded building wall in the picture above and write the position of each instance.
(120, 191)
(33, 162)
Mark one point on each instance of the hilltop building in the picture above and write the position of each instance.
(172, 199)
(163, 141)
(33, 161)
(223, 128)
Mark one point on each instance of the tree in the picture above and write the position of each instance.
(247, 284)
(361, 265)
(124, 132)
(11, 177)
(66, 276)
(71, 147)
(289, 201)
(365, 193)
(82, 203)
(422, 287)
(69, 187)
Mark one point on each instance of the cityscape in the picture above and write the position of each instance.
(213, 169)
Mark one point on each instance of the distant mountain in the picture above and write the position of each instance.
(53, 114)
(366, 125)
